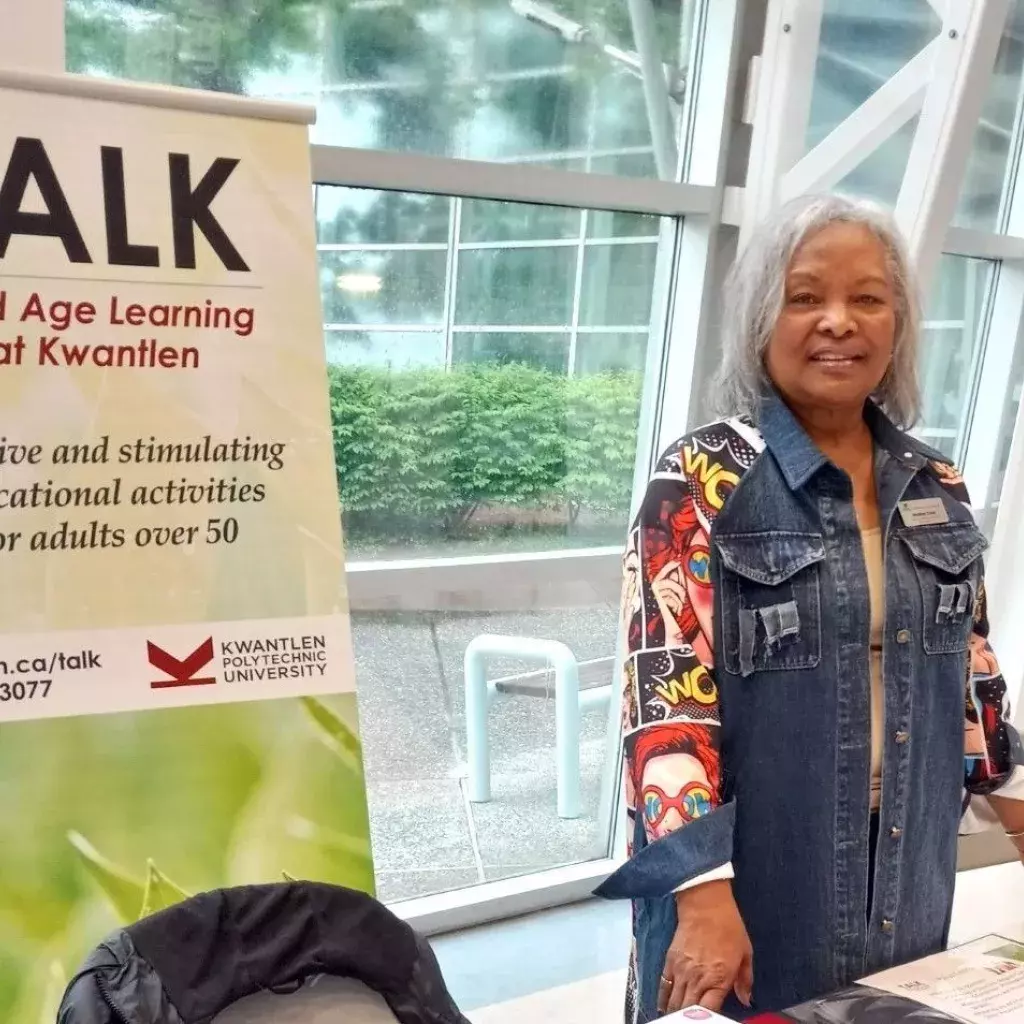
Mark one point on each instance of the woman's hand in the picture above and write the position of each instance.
(1011, 817)
(710, 955)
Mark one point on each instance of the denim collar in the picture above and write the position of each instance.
(799, 457)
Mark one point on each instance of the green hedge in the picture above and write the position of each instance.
(425, 449)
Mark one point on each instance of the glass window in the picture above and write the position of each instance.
(491, 221)
(524, 285)
(530, 115)
(399, 286)
(399, 350)
(547, 351)
(880, 174)
(485, 80)
(989, 512)
(1011, 405)
(863, 44)
(462, 440)
(611, 276)
(610, 352)
(613, 224)
(516, 286)
(638, 163)
(620, 115)
(949, 341)
(983, 194)
(366, 217)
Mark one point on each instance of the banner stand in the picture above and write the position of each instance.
(177, 694)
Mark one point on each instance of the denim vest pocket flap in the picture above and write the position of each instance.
(770, 558)
(771, 606)
(946, 564)
(950, 547)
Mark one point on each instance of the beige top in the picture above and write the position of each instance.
(871, 541)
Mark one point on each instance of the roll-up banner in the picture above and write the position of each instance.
(177, 706)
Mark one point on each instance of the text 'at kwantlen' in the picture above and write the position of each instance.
(62, 314)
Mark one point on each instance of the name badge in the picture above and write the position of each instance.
(923, 512)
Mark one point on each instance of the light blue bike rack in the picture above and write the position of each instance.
(570, 701)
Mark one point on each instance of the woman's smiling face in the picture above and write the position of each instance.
(834, 338)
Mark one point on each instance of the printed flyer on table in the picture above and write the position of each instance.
(979, 983)
(177, 702)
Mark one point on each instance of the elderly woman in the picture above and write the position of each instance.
(802, 608)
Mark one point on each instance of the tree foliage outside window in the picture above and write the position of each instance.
(455, 77)
(420, 454)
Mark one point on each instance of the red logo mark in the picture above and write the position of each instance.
(182, 673)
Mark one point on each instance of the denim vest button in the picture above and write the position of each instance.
(902, 737)
(895, 832)
(904, 636)
(888, 927)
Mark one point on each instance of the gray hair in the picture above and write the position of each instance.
(755, 290)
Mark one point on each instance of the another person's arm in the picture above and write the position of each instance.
(992, 748)
(991, 743)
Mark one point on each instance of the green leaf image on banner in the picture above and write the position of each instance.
(335, 733)
(161, 892)
(297, 818)
(56, 982)
(110, 817)
(42, 993)
(125, 894)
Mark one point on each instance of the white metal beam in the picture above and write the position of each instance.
(733, 203)
(964, 59)
(782, 102)
(864, 130)
(477, 179)
(711, 82)
(982, 245)
(656, 97)
(695, 296)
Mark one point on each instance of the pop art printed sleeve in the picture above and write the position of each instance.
(670, 700)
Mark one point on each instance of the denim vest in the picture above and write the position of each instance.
(796, 725)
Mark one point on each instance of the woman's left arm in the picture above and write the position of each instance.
(991, 743)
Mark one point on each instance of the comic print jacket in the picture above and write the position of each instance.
(746, 708)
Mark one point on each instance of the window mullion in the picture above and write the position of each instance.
(451, 282)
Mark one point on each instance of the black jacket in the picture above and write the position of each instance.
(186, 964)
